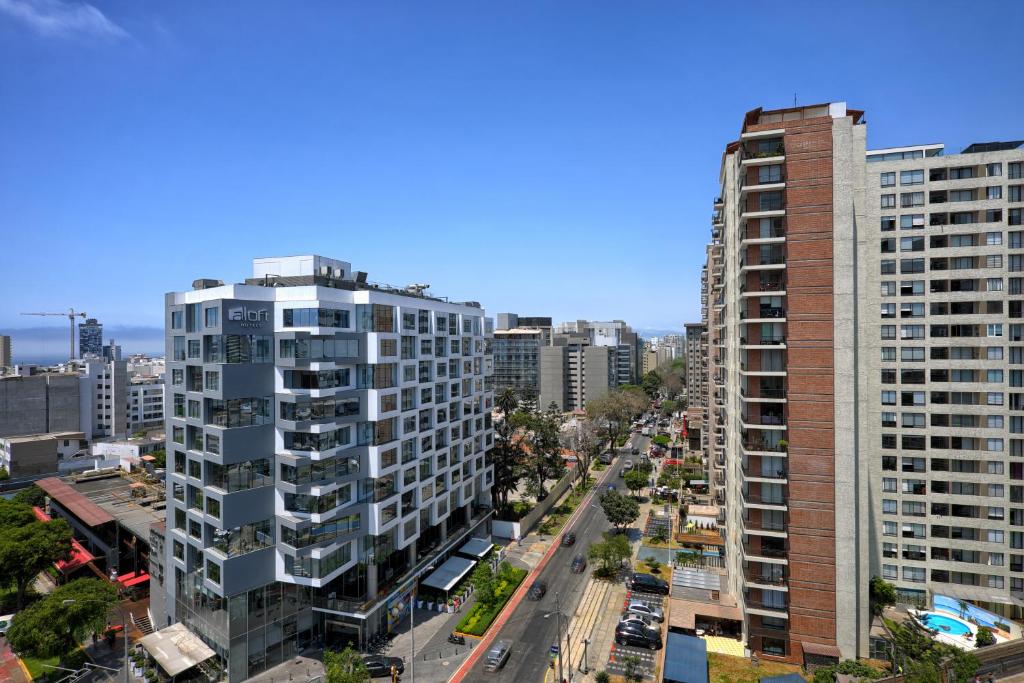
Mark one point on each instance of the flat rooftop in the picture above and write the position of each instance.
(25, 438)
(114, 495)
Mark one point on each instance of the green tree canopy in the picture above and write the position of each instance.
(29, 549)
(610, 552)
(620, 510)
(50, 627)
(651, 383)
(31, 495)
(635, 480)
(543, 458)
(483, 583)
(882, 594)
(345, 666)
(14, 514)
(507, 452)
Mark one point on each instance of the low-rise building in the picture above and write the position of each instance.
(36, 454)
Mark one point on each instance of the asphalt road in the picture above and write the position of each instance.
(532, 626)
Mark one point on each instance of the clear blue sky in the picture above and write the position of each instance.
(551, 158)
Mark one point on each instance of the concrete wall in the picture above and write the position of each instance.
(39, 404)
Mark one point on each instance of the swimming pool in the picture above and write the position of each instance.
(944, 624)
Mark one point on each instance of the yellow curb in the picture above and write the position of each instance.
(28, 675)
(467, 635)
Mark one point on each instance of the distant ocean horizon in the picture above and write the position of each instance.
(55, 359)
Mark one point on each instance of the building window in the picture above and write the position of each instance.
(176, 320)
(888, 179)
(888, 201)
(213, 572)
(911, 177)
(212, 316)
(908, 199)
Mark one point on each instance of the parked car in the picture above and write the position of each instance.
(579, 563)
(627, 465)
(634, 451)
(569, 538)
(645, 583)
(606, 458)
(380, 666)
(630, 617)
(5, 623)
(537, 590)
(637, 634)
(498, 655)
(643, 609)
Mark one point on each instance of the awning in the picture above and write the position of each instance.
(79, 555)
(62, 493)
(821, 650)
(476, 547)
(686, 659)
(448, 574)
(684, 613)
(176, 649)
(133, 579)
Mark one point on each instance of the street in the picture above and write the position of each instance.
(532, 625)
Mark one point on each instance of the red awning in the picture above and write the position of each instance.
(134, 580)
(79, 555)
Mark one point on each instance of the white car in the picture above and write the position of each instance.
(5, 623)
(636, 618)
(645, 610)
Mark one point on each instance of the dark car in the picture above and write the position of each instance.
(579, 563)
(569, 538)
(379, 667)
(645, 583)
(635, 451)
(632, 633)
(537, 590)
(609, 488)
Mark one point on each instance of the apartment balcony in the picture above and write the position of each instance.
(755, 525)
(766, 550)
(756, 443)
(771, 576)
(764, 419)
(764, 153)
(762, 313)
(758, 341)
(755, 370)
(766, 609)
(763, 390)
(763, 257)
(765, 284)
(754, 497)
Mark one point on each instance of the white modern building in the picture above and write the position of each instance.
(326, 446)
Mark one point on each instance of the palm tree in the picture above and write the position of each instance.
(962, 604)
(507, 402)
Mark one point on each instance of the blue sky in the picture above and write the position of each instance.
(550, 158)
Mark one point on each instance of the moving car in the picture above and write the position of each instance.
(627, 465)
(606, 458)
(569, 538)
(579, 563)
(645, 583)
(642, 608)
(609, 488)
(537, 590)
(5, 623)
(497, 655)
(635, 451)
(380, 666)
(631, 633)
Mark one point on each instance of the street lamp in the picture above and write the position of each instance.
(124, 630)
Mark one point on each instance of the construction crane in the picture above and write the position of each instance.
(70, 315)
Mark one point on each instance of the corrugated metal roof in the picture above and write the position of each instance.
(74, 502)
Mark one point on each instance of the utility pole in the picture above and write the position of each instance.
(412, 634)
(586, 666)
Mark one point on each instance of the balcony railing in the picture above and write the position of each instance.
(762, 474)
(758, 604)
(771, 340)
(773, 579)
(765, 551)
(756, 498)
(768, 419)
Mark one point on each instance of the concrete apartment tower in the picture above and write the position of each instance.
(6, 360)
(326, 447)
(781, 323)
(90, 338)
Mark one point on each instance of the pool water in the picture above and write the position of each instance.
(944, 624)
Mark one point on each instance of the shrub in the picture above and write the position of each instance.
(602, 677)
(985, 637)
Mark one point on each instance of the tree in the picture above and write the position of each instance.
(850, 667)
(668, 406)
(50, 627)
(31, 495)
(610, 552)
(507, 453)
(882, 595)
(159, 459)
(620, 510)
(651, 384)
(984, 637)
(13, 515)
(4, 474)
(617, 408)
(582, 441)
(345, 666)
(29, 549)
(635, 480)
(483, 583)
(926, 658)
(543, 460)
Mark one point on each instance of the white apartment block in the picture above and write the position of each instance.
(326, 446)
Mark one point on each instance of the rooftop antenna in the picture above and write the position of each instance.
(794, 99)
